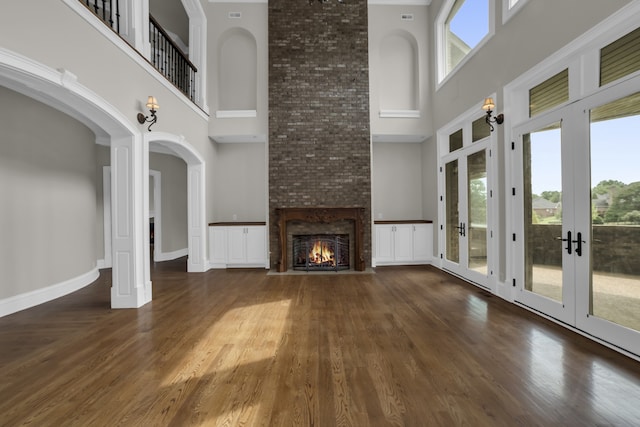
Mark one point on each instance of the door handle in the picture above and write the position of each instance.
(568, 240)
(462, 229)
(579, 243)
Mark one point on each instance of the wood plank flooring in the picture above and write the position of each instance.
(406, 346)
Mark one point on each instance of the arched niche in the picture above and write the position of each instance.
(237, 71)
(399, 83)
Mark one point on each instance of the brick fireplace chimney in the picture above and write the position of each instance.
(319, 133)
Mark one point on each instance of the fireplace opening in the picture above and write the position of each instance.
(321, 252)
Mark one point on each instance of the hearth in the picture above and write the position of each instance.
(321, 252)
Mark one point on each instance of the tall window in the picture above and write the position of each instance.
(510, 7)
(462, 26)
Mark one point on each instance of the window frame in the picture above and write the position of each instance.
(510, 11)
(442, 76)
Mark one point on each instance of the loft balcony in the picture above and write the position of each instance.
(157, 46)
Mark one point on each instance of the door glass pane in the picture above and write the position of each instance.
(453, 218)
(543, 211)
(550, 93)
(615, 212)
(477, 229)
(620, 58)
(455, 141)
(480, 129)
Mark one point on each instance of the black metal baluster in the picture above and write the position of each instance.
(118, 16)
(111, 13)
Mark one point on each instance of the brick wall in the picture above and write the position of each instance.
(319, 137)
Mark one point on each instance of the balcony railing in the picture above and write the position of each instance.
(170, 61)
(107, 10)
(166, 56)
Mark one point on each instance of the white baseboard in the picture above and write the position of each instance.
(168, 256)
(39, 296)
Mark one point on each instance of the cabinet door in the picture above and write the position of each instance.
(403, 242)
(218, 244)
(422, 242)
(256, 245)
(384, 243)
(236, 253)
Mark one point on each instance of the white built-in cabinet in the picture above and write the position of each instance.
(238, 245)
(403, 243)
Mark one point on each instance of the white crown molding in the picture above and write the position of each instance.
(236, 114)
(400, 114)
(239, 139)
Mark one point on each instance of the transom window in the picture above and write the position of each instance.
(462, 26)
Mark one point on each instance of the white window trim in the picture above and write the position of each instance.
(508, 12)
(441, 42)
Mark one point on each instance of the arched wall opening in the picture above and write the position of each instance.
(131, 285)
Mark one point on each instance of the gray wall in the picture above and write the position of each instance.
(47, 187)
(241, 184)
(397, 181)
(173, 180)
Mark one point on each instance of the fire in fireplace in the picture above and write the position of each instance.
(321, 252)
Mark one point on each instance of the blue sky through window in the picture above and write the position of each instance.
(615, 150)
(471, 23)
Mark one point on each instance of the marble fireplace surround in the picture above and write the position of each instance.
(324, 216)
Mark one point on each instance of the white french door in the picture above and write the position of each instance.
(576, 189)
(465, 235)
(548, 236)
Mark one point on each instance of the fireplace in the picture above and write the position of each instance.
(320, 219)
(320, 252)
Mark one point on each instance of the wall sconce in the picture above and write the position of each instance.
(488, 106)
(152, 105)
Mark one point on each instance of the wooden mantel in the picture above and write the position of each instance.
(325, 216)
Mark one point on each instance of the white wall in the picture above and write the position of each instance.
(47, 187)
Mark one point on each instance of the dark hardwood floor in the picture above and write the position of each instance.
(405, 346)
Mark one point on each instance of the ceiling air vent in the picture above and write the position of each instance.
(407, 16)
(235, 15)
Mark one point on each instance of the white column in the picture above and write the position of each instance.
(131, 287)
(196, 219)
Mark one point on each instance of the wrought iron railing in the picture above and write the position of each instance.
(107, 10)
(167, 57)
